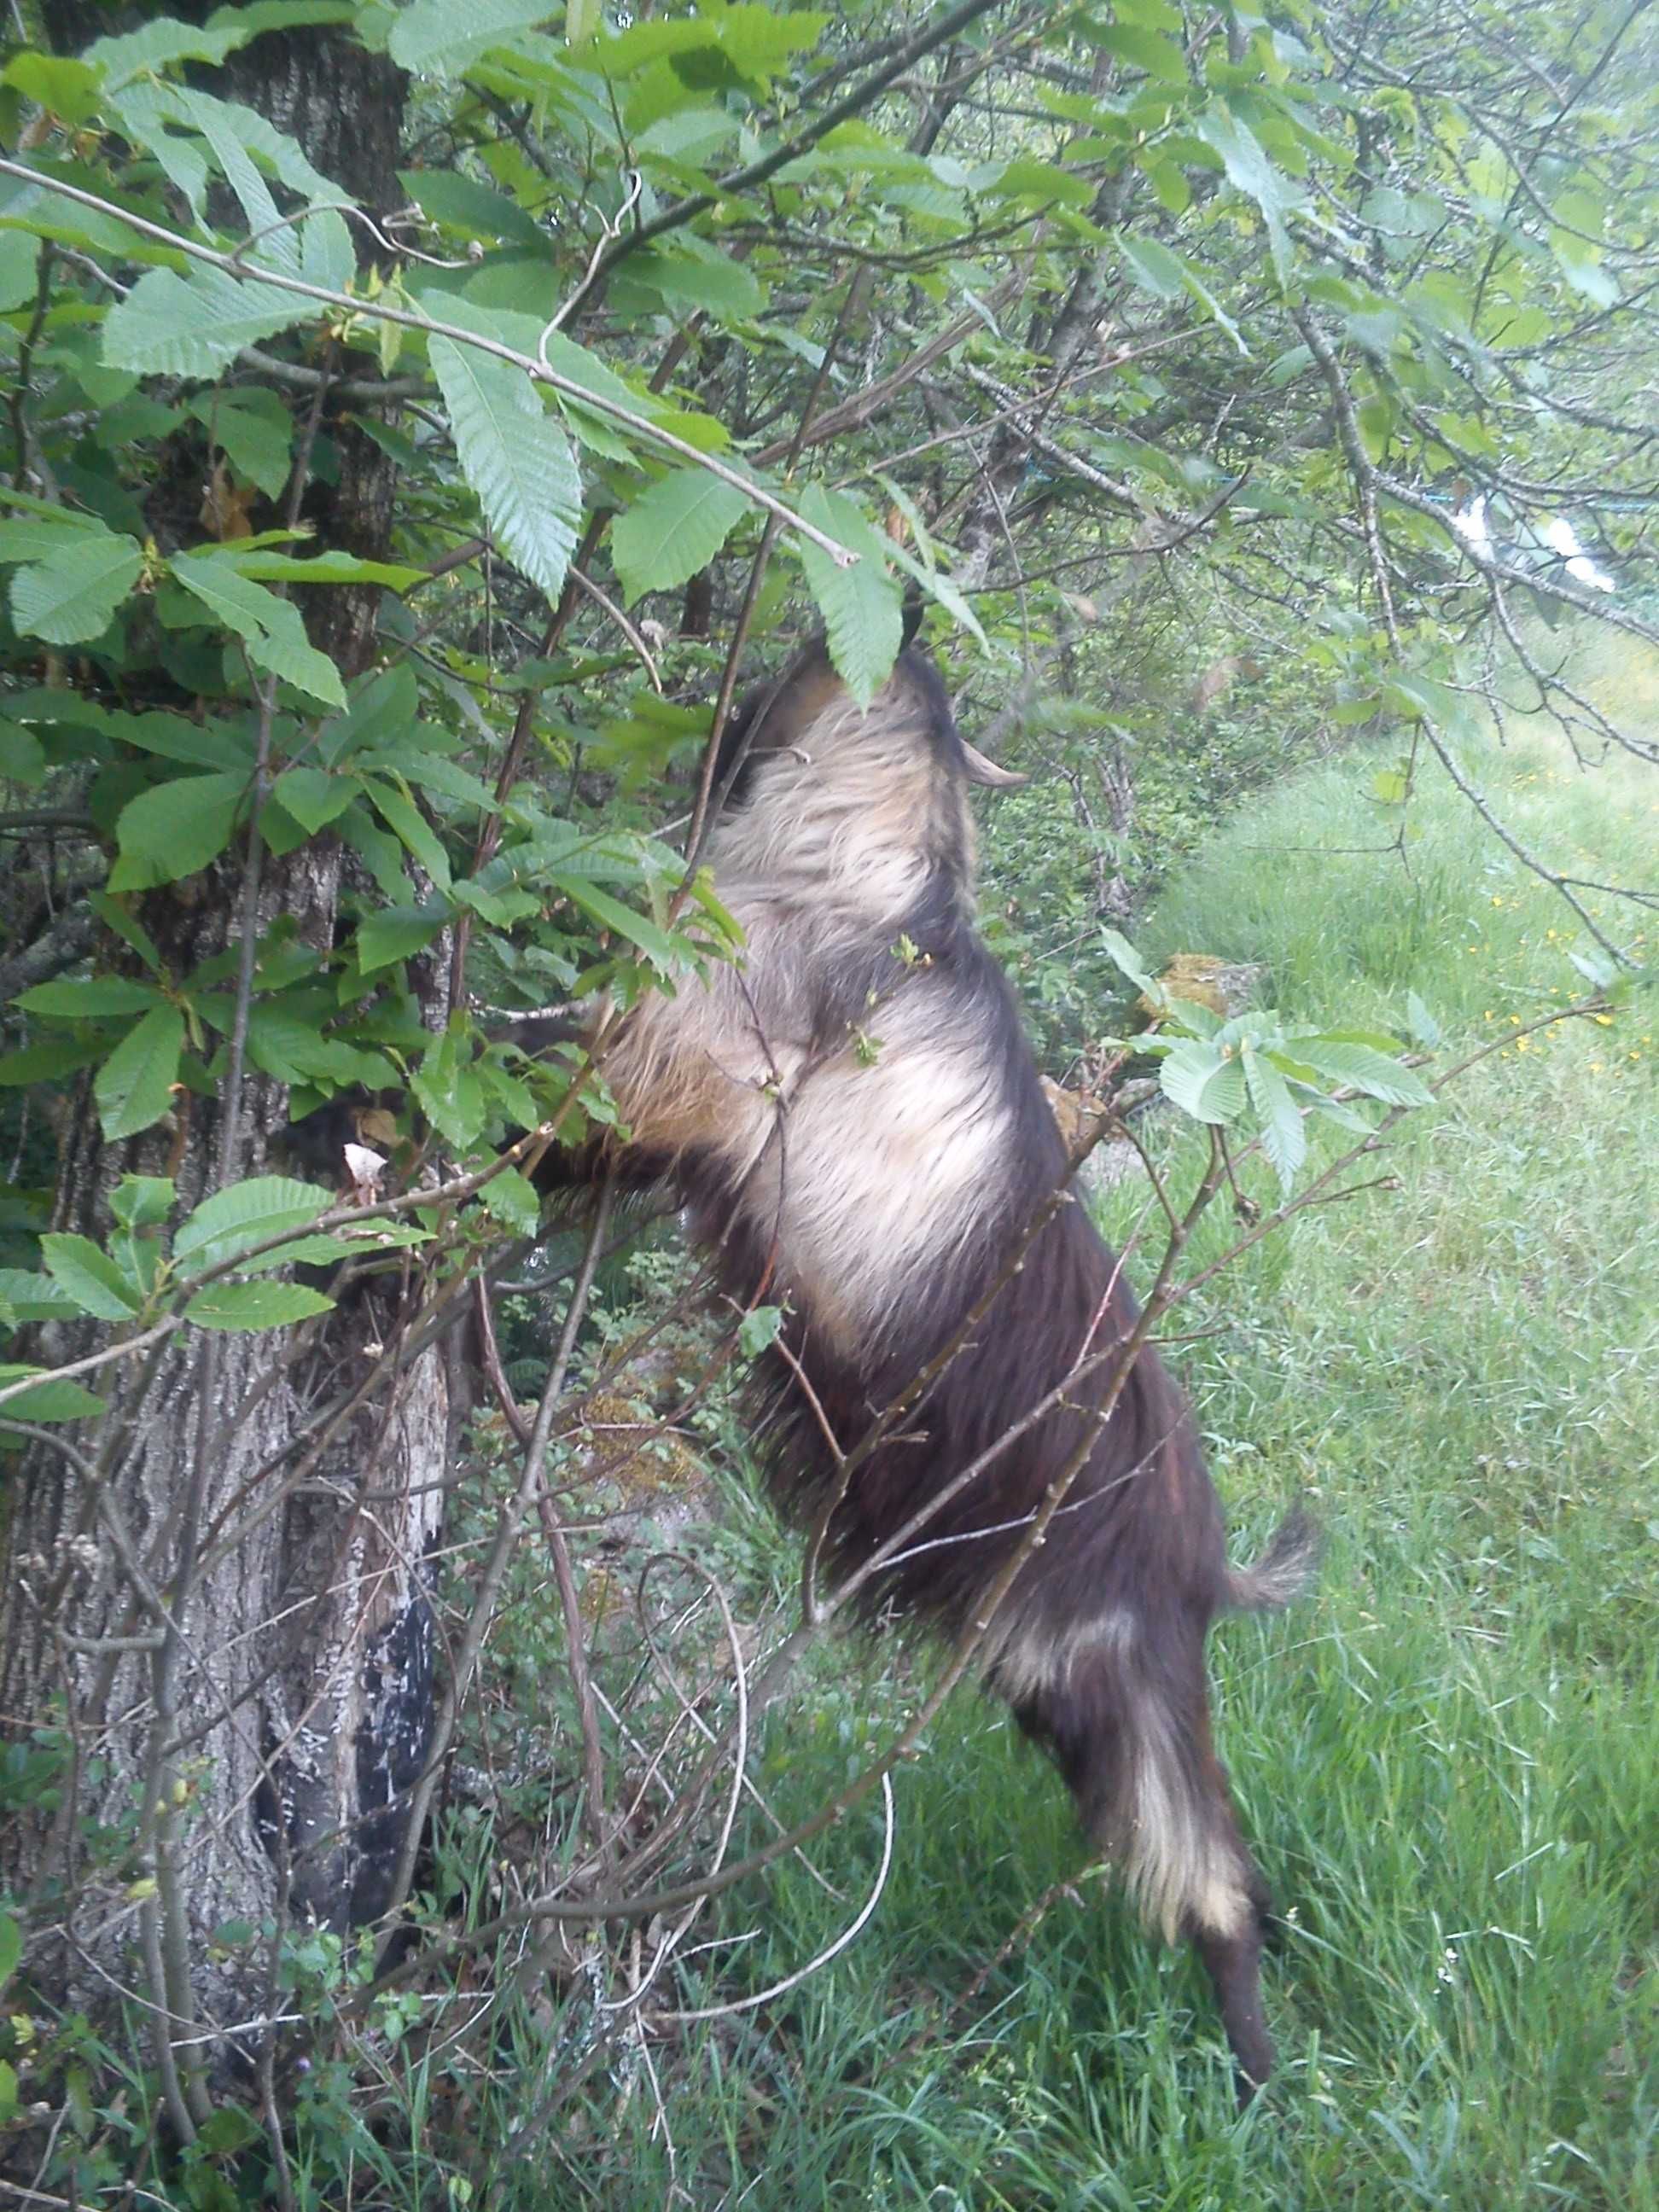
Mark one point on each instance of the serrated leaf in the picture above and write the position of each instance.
(407, 822)
(1125, 957)
(1167, 274)
(862, 606)
(1249, 171)
(134, 1086)
(397, 932)
(759, 1329)
(90, 1276)
(1284, 1135)
(34, 1297)
(515, 458)
(247, 1306)
(313, 797)
(23, 759)
(71, 595)
(236, 1219)
(1361, 1067)
(699, 275)
(255, 429)
(1424, 1029)
(174, 325)
(462, 204)
(434, 38)
(512, 1199)
(88, 998)
(673, 531)
(50, 1401)
(448, 1089)
(332, 1247)
(174, 828)
(1161, 59)
(142, 1201)
(46, 1061)
(333, 566)
(1203, 1083)
(127, 927)
(270, 627)
(663, 950)
(147, 52)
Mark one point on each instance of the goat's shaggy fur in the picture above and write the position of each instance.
(854, 1117)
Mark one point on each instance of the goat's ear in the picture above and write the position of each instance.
(780, 710)
(983, 771)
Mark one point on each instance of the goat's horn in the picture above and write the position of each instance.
(982, 770)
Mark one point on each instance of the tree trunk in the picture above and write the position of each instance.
(216, 1641)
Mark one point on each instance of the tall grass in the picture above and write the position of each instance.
(1447, 1756)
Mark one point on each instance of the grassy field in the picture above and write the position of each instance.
(1447, 1755)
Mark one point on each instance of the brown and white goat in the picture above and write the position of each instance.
(856, 1122)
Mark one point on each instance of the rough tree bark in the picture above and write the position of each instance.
(235, 1665)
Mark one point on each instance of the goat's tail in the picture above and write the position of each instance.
(1283, 1569)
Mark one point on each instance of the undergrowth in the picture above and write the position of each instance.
(1445, 1756)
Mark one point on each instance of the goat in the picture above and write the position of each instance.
(855, 1119)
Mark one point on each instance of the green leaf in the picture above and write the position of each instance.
(396, 933)
(759, 1329)
(330, 568)
(46, 1062)
(88, 998)
(174, 828)
(142, 1202)
(1250, 170)
(862, 606)
(11, 1947)
(434, 38)
(134, 1086)
(1166, 275)
(673, 531)
(407, 822)
(313, 797)
(115, 919)
(1424, 1029)
(1126, 958)
(462, 204)
(150, 50)
(512, 1199)
(23, 759)
(70, 595)
(446, 1087)
(516, 459)
(246, 1306)
(1284, 1135)
(699, 276)
(174, 325)
(1161, 59)
(51, 1401)
(35, 1297)
(330, 1247)
(270, 627)
(664, 951)
(255, 429)
(65, 89)
(90, 1276)
(234, 1220)
(1203, 1082)
(1362, 1067)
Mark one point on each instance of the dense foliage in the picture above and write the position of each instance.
(420, 422)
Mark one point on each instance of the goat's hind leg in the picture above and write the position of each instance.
(1133, 1742)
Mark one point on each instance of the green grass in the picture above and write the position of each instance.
(1447, 1756)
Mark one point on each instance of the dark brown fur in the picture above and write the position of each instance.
(860, 1131)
